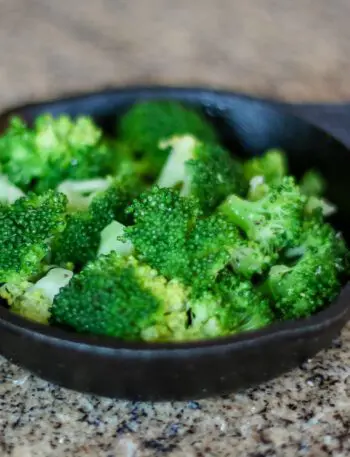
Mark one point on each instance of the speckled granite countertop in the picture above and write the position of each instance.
(304, 413)
(291, 50)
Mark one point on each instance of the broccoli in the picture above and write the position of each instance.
(33, 301)
(312, 184)
(9, 193)
(312, 273)
(121, 297)
(54, 150)
(234, 306)
(265, 171)
(80, 193)
(127, 160)
(215, 243)
(80, 240)
(159, 235)
(146, 123)
(111, 240)
(171, 235)
(249, 310)
(319, 205)
(203, 170)
(273, 222)
(28, 227)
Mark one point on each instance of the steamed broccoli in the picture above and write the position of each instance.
(312, 184)
(249, 310)
(265, 171)
(206, 171)
(215, 243)
(33, 301)
(159, 235)
(111, 239)
(54, 150)
(121, 297)
(80, 240)
(312, 274)
(148, 122)
(233, 307)
(274, 222)
(81, 193)
(9, 193)
(28, 227)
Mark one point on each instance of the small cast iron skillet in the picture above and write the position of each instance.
(134, 371)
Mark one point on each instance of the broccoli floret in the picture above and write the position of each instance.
(170, 234)
(248, 308)
(312, 184)
(317, 234)
(312, 274)
(233, 307)
(204, 170)
(79, 242)
(28, 227)
(33, 301)
(120, 297)
(315, 205)
(265, 171)
(215, 243)
(54, 150)
(274, 222)
(128, 160)
(162, 221)
(148, 122)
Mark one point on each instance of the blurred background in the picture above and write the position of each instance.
(290, 49)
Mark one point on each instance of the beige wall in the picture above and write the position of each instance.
(289, 49)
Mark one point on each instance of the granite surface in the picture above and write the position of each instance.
(296, 50)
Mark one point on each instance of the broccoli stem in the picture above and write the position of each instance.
(241, 212)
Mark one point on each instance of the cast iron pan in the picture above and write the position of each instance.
(193, 370)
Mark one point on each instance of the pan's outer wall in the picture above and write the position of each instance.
(174, 372)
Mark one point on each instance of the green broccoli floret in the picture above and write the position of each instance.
(128, 160)
(234, 306)
(79, 242)
(170, 234)
(162, 222)
(265, 171)
(28, 227)
(215, 243)
(274, 222)
(33, 301)
(120, 297)
(148, 122)
(312, 274)
(54, 150)
(204, 170)
(317, 234)
(312, 184)
(249, 309)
